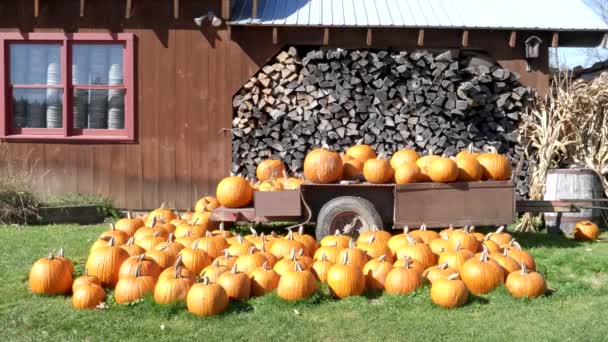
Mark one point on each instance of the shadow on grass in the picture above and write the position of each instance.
(237, 307)
(474, 299)
(534, 240)
(372, 294)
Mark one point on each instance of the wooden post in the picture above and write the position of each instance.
(254, 9)
(604, 44)
(465, 38)
(128, 9)
(421, 37)
(82, 5)
(229, 31)
(513, 39)
(275, 36)
(226, 9)
(555, 40)
(175, 9)
(36, 8)
(369, 37)
(326, 36)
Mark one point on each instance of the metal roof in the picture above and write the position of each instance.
(558, 15)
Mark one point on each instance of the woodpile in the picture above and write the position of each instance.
(391, 99)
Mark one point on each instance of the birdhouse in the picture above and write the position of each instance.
(532, 47)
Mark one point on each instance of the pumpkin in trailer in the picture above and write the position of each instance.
(361, 152)
(424, 234)
(407, 173)
(237, 284)
(194, 258)
(352, 170)
(269, 186)
(310, 243)
(131, 248)
(50, 276)
(469, 169)
(525, 283)
(207, 203)
(172, 289)
(282, 247)
(87, 296)
(337, 239)
(250, 261)
(226, 259)
(442, 170)
(206, 299)
(464, 239)
(344, 279)
(398, 240)
(297, 284)
(172, 246)
(240, 247)
(213, 245)
(162, 258)
(403, 156)
(434, 273)
(161, 214)
(495, 166)
(450, 292)
(586, 231)
(213, 271)
(506, 262)
(375, 272)
(322, 166)
(375, 249)
(517, 253)
(413, 264)
(148, 266)
(234, 192)
(130, 289)
(378, 170)
(85, 279)
(263, 280)
(270, 169)
(402, 279)
(423, 164)
(129, 224)
(380, 236)
(292, 183)
(455, 258)
(105, 262)
(354, 256)
(321, 267)
(469, 152)
(330, 252)
(481, 275)
(418, 252)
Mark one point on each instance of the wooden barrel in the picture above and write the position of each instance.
(571, 184)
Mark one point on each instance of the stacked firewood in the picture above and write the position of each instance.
(439, 102)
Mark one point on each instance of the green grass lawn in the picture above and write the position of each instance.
(576, 307)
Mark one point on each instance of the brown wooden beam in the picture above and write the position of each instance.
(513, 39)
(275, 36)
(229, 31)
(254, 9)
(175, 9)
(555, 40)
(465, 38)
(82, 6)
(604, 44)
(326, 36)
(369, 39)
(36, 8)
(226, 9)
(128, 9)
(421, 37)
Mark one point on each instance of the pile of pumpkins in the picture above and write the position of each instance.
(360, 162)
(205, 266)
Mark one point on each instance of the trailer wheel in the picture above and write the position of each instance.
(341, 211)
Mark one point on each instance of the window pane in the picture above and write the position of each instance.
(97, 64)
(99, 109)
(37, 108)
(35, 64)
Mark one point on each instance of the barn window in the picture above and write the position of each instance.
(67, 86)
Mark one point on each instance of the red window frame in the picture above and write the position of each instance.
(67, 132)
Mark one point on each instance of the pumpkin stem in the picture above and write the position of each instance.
(516, 244)
(423, 227)
(298, 267)
(345, 259)
(484, 256)
(382, 258)
(301, 252)
(195, 221)
(206, 280)
(453, 276)
(253, 231)
(505, 252)
(112, 242)
(226, 254)
(323, 257)
(129, 214)
(153, 221)
(265, 265)
(410, 240)
(457, 246)
(337, 232)
(141, 257)
(208, 234)
(51, 255)
(216, 263)
(195, 245)
(487, 237)
(359, 142)
(406, 229)
(233, 270)
(178, 261)
(407, 262)
(131, 241)
(443, 266)
(60, 252)
(485, 249)
(178, 272)
(112, 227)
(239, 238)
(372, 238)
(292, 254)
(500, 229)
(290, 235)
(524, 269)
(263, 246)
(301, 229)
(156, 233)
(171, 238)
(470, 149)
(137, 272)
(222, 226)
(351, 243)
(251, 250)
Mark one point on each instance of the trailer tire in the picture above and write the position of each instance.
(340, 211)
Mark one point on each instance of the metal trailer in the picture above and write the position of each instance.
(334, 206)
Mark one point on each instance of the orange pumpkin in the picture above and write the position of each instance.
(442, 170)
(404, 156)
(130, 224)
(467, 153)
(352, 170)
(207, 203)
(361, 152)
(481, 275)
(434, 273)
(586, 231)
(344, 279)
(234, 192)
(495, 166)
(424, 163)
(403, 279)
(449, 292)
(50, 275)
(375, 272)
(270, 169)
(525, 283)
(469, 169)
(322, 166)
(407, 173)
(206, 299)
(378, 171)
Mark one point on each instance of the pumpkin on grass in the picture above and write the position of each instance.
(425, 235)
(417, 251)
(490, 245)
(287, 264)
(455, 258)
(586, 231)
(282, 247)
(264, 280)
(361, 152)
(234, 192)
(194, 258)
(517, 253)
(87, 296)
(481, 275)
(213, 271)
(495, 166)
(250, 261)
(321, 267)
(407, 173)
(172, 289)
(501, 237)
(149, 242)
(172, 246)
(354, 256)
(337, 240)
(375, 272)
(272, 260)
(413, 264)
(322, 166)
(465, 239)
(402, 279)
(449, 292)
(310, 243)
(130, 224)
(237, 284)
(50, 275)
(442, 170)
(375, 249)
(506, 262)
(162, 258)
(66, 261)
(105, 262)
(378, 171)
(240, 247)
(380, 236)
(129, 289)
(163, 214)
(434, 273)
(398, 240)
(270, 169)
(213, 245)
(403, 156)
(345, 280)
(526, 283)
(226, 259)
(297, 284)
(148, 266)
(131, 248)
(206, 299)
(85, 279)
(170, 272)
(439, 246)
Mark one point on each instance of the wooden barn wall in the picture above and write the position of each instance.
(185, 79)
